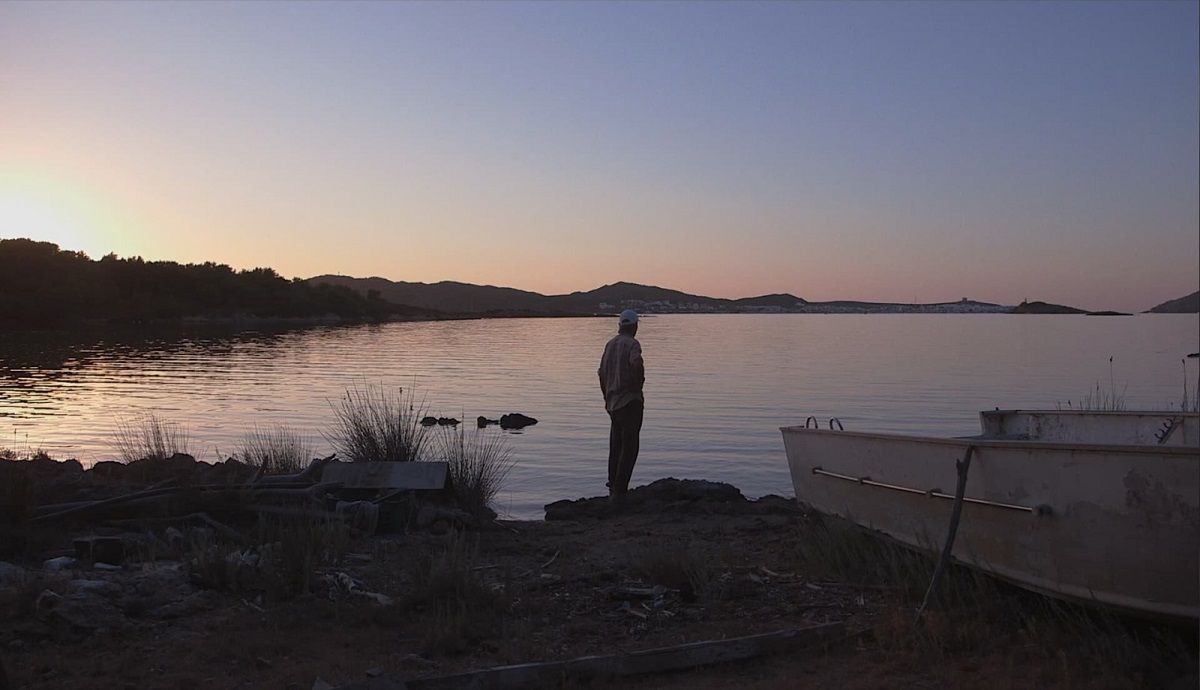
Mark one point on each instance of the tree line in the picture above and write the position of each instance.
(41, 284)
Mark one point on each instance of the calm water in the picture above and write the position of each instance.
(718, 386)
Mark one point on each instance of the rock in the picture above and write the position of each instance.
(61, 563)
(107, 469)
(320, 684)
(46, 601)
(204, 600)
(109, 550)
(102, 588)
(107, 567)
(180, 466)
(81, 610)
(481, 421)
(440, 518)
(428, 421)
(11, 575)
(693, 496)
(374, 672)
(447, 421)
(516, 420)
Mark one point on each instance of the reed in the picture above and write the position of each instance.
(1100, 400)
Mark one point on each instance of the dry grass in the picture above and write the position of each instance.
(479, 461)
(375, 423)
(281, 564)
(457, 606)
(277, 449)
(149, 437)
(683, 568)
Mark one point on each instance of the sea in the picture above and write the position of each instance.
(718, 386)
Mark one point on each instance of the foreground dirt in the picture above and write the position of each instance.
(528, 591)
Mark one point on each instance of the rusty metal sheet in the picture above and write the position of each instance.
(416, 476)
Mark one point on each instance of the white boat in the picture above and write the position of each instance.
(1076, 505)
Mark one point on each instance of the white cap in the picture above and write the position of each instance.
(628, 318)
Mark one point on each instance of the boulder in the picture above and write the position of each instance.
(429, 421)
(447, 421)
(482, 421)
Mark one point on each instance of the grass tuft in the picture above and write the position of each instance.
(478, 463)
(378, 424)
(149, 437)
(277, 449)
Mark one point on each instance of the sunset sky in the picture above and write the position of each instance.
(884, 151)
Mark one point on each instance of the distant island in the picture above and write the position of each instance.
(43, 285)
(1189, 304)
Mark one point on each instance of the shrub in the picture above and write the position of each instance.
(479, 461)
(277, 449)
(149, 437)
(375, 423)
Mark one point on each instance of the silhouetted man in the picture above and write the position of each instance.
(621, 378)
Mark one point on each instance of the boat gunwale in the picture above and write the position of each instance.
(1113, 413)
(1010, 444)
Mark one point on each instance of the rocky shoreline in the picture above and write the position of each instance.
(101, 602)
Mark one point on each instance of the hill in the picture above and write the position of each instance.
(1189, 304)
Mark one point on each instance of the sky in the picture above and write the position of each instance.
(880, 151)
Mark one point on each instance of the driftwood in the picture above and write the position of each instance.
(553, 673)
(177, 500)
(217, 526)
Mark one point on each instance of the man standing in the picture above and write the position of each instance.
(621, 378)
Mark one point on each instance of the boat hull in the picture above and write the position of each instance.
(1108, 524)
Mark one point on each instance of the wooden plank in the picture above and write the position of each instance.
(663, 659)
(407, 476)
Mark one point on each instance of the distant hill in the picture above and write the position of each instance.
(482, 300)
(466, 298)
(446, 296)
(1045, 308)
(1184, 305)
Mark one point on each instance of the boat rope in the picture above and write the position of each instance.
(962, 467)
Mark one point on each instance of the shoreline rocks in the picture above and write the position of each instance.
(670, 495)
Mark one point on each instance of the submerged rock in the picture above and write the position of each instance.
(429, 421)
(516, 420)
